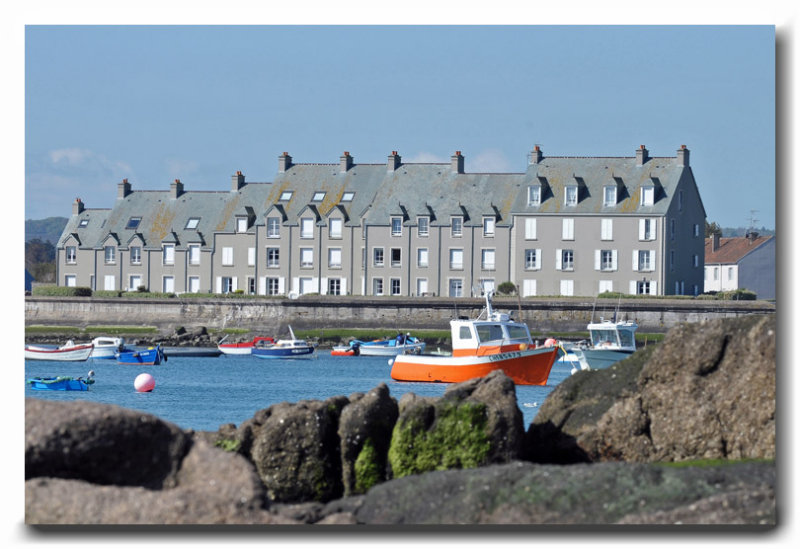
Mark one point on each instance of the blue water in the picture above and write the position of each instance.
(203, 393)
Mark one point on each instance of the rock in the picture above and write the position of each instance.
(604, 493)
(365, 431)
(706, 392)
(296, 450)
(474, 423)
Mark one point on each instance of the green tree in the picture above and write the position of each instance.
(712, 228)
(40, 260)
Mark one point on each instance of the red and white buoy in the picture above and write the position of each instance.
(144, 383)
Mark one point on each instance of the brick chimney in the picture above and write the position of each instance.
(237, 181)
(175, 189)
(284, 162)
(457, 163)
(714, 242)
(123, 189)
(536, 155)
(641, 156)
(683, 156)
(77, 207)
(345, 162)
(393, 163)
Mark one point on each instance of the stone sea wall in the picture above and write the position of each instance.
(682, 432)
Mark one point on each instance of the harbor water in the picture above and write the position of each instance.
(202, 393)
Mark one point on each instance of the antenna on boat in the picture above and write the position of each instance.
(593, 306)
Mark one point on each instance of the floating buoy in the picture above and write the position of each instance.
(144, 383)
(550, 342)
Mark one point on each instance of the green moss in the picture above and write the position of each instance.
(367, 468)
(229, 445)
(457, 439)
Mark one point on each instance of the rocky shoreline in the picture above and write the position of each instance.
(664, 437)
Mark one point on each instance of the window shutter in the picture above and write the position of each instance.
(219, 285)
(597, 260)
(653, 226)
(538, 264)
(632, 288)
(635, 260)
(614, 259)
(528, 288)
(641, 229)
(530, 228)
(262, 285)
(652, 260)
(653, 287)
(251, 256)
(324, 288)
(281, 285)
(344, 286)
(558, 260)
(234, 283)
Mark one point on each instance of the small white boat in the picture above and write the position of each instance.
(609, 343)
(69, 352)
(107, 347)
(285, 348)
(400, 345)
(244, 347)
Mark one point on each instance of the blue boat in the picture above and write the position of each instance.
(284, 348)
(61, 383)
(147, 357)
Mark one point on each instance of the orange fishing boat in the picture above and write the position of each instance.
(480, 346)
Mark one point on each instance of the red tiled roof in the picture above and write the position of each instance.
(731, 250)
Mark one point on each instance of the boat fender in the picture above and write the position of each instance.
(550, 342)
(523, 346)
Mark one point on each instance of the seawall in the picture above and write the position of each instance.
(269, 315)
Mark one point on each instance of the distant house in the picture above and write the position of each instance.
(28, 281)
(746, 262)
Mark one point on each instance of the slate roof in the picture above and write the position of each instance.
(732, 250)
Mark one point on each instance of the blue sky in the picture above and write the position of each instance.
(198, 103)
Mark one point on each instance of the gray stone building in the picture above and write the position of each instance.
(566, 226)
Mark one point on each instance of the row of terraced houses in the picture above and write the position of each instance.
(565, 226)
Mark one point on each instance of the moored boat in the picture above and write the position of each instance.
(107, 347)
(69, 352)
(285, 348)
(61, 383)
(146, 357)
(243, 347)
(345, 350)
(609, 343)
(400, 345)
(481, 346)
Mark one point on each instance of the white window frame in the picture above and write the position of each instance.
(273, 285)
(347, 196)
(334, 258)
(273, 257)
(194, 285)
(71, 255)
(534, 195)
(605, 260)
(571, 195)
(529, 287)
(396, 262)
(110, 255)
(378, 262)
(644, 260)
(396, 223)
(251, 257)
(334, 286)
(132, 282)
(567, 229)
(566, 287)
(456, 226)
(168, 284)
(335, 225)
(455, 287)
(168, 254)
(565, 259)
(533, 259)
(419, 284)
(488, 259)
(609, 196)
(306, 227)
(273, 227)
(422, 258)
(241, 224)
(606, 229)
(647, 229)
(286, 196)
(452, 254)
(488, 227)
(648, 196)
(377, 285)
(395, 286)
(191, 223)
(135, 253)
(306, 257)
(423, 226)
(227, 256)
(319, 196)
(70, 280)
(194, 254)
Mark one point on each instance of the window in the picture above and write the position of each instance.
(251, 257)
(695, 260)
(680, 201)
(251, 285)
(273, 227)
(273, 257)
(335, 258)
(530, 228)
(319, 196)
(377, 257)
(227, 256)
(70, 281)
(606, 229)
(110, 255)
(605, 286)
(192, 223)
(394, 286)
(134, 281)
(136, 255)
(109, 282)
(528, 287)
(83, 223)
(716, 273)
(286, 196)
(456, 287)
(566, 260)
(532, 259)
(306, 227)
(643, 260)
(487, 260)
(606, 260)
(226, 284)
(422, 257)
(571, 195)
(133, 223)
(696, 230)
(567, 229)
(377, 286)
(534, 195)
(335, 286)
(306, 285)
(609, 196)
(397, 226)
(348, 196)
(194, 284)
(488, 226)
(672, 229)
(273, 286)
(194, 254)
(643, 287)
(335, 227)
(567, 287)
(647, 229)
(168, 254)
(395, 257)
(730, 273)
(647, 196)
(71, 254)
(457, 258)
(306, 257)
(486, 284)
(422, 226)
(168, 284)
(456, 225)
(422, 286)
(241, 224)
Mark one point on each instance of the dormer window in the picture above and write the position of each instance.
(84, 222)
(348, 196)
(241, 224)
(192, 223)
(133, 223)
(648, 193)
(609, 196)
(286, 196)
(571, 195)
(397, 226)
(488, 226)
(306, 227)
(318, 196)
(534, 195)
(456, 226)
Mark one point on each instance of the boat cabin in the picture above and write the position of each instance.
(619, 335)
(497, 332)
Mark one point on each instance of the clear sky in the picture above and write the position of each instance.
(198, 103)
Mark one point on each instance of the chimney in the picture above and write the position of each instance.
(237, 181)
(77, 207)
(284, 162)
(641, 156)
(175, 189)
(123, 189)
(536, 155)
(345, 162)
(457, 163)
(714, 242)
(683, 156)
(393, 163)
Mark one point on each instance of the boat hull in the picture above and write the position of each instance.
(599, 359)
(393, 350)
(289, 352)
(233, 350)
(345, 351)
(72, 354)
(524, 367)
(150, 357)
(57, 384)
